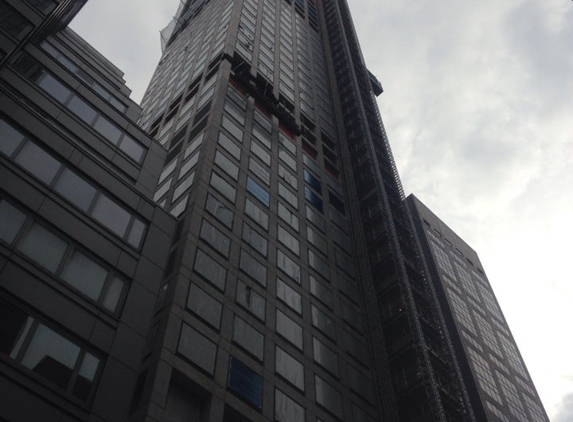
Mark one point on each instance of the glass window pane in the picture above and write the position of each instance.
(257, 214)
(251, 300)
(55, 88)
(113, 294)
(204, 305)
(75, 189)
(226, 165)
(290, 268)
(325, 357)
(85, 275)
(222, 213)
(38, 162)
(197, 348)
(44, 247)
(245, 383)
(253, 268)
(289, 368)
(323, 322)
(14, 326)
(11, 221)
(215, 238)
(249, 338)
(229, 146)
(86, 376)
(223, 186)
(258, 191)
(288, 240)
(132, 148)
(51, 355)
(10, 138)
(328, 397)
(108, 130)
(286, 409)
(253, 238)
(136, 232)
(82, 109)
(210, 269)
(111, 215)
(289, 296)
(289, 329)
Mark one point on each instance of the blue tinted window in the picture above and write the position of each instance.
(312, 181)
(246, 383)
(313, 198)
(258, 191)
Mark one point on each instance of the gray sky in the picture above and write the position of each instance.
(478, 110)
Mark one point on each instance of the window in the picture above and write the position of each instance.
(258, 191)
(318, 264)
(197, 348)
(219, 211)
(289, 329)
(253, 268)
(80, 108)
(315, 239)
(210, 269)
(289, 368)
(204, 306)
(253, 238)
(245, 383)
(249, 338)
(232, 128)
(287, 195)
(325, 357)
(260, 153)
(49, 250)
(289, 296)
(258, 170)
(226, 165)
(257, 214)
(288, 240)
(215, 238)
(223, 187)
(286, 409)
(46, 352)
(323, 322)
(328, 397)
(312, 181)
(315, 218)
(288, 177)
(320, 291)
(288, 266)
(289, 217)
(313, 198)
(251, 300)
(13, 22)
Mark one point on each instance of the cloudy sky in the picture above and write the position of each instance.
(478, 108)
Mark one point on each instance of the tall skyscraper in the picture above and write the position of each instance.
(262, 265)
(494, 372)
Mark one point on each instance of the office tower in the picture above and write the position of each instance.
(494, 372)
(294, 267)
(82, 244)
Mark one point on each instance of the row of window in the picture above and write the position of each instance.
(47, 353)
(248, 384)
(69, 263)
(70, 185)
(80, 108)
(80, 73)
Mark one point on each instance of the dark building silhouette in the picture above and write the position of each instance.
(238, 249)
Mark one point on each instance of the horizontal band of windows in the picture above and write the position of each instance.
(86, 112)
(71, 186)
(47, 353)
(61, 257)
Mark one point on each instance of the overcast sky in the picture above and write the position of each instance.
(478, 106)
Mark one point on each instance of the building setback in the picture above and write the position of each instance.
(237, 249)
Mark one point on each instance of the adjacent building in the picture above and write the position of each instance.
(494, 372)
(237, 249)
